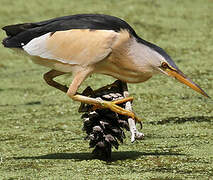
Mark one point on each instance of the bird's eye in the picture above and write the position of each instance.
(164, 65)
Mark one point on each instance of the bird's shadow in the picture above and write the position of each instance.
(180, 120)
(124, 155)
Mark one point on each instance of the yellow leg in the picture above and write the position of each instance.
(49, 76)
(79, 77)
(112, 105)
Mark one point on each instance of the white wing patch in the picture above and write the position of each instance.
(76, 46)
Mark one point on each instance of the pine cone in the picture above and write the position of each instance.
(104, 128)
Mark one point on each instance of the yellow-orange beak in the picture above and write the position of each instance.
(180, 76)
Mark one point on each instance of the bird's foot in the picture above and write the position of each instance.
(112, 105)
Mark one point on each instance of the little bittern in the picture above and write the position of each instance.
(84, 44)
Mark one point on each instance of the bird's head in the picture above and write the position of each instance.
(162, 62)
(168, 67)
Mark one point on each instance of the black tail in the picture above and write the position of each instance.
(12, 31)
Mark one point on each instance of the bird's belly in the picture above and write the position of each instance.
(124, 74)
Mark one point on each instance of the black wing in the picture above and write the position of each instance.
(21, 34)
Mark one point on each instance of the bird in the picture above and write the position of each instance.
(84, 44)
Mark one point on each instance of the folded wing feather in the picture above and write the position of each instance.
(83, 47)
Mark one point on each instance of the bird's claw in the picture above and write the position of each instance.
(112, 105)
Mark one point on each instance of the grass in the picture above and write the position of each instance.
(40, 128)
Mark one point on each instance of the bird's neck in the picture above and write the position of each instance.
(143, 57)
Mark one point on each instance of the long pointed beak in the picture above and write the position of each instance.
(180, 76)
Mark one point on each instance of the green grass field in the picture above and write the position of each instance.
(40, 128)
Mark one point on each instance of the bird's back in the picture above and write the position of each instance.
(20, 34)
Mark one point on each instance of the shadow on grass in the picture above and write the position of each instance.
(29, 103)
(180, 120)
(33, 103)
(124, 155)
